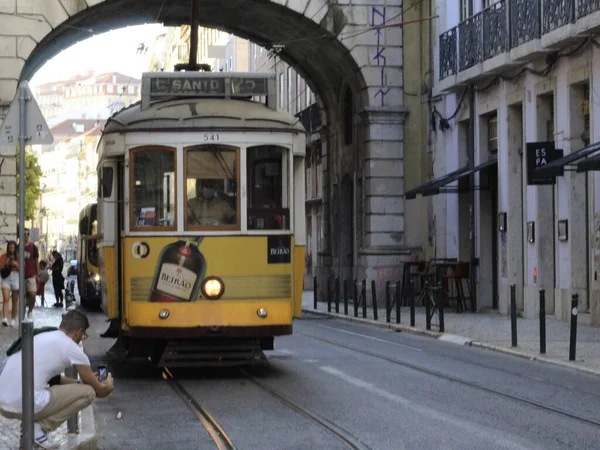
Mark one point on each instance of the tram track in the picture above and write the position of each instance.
(458, 380)
(216, 432)
(342, 435)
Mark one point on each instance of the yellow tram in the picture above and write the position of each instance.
(201, 219)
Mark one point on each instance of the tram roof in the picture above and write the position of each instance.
(191, 114)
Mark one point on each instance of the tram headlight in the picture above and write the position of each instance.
(96, 278)
(213, 288)
(261, 312)
(164, 313)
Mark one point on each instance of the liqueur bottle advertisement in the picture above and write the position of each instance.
(179, 272)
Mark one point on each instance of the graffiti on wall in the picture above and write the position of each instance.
(378, 19)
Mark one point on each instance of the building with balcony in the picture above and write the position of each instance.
(515, 113)
(69, 182)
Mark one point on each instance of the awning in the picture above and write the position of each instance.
(440, 185)
(589, 164)
(556, 167)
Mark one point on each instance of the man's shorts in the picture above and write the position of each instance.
(31, 285)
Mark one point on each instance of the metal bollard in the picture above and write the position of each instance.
(441, 299)
(398, 295)
(337, 295)
(72, 422)
(356, 300)
(345, 296)
(427, 310)
(542, 321)
(328, 293)
(573, 341)
(411, 291)
(363, 294)
(388, 305)
(374, 296)
(513, 314)
(27, 382)
(315, 290)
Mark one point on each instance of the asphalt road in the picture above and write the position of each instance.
(337, 385)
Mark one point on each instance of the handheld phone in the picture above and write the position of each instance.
(102, 372)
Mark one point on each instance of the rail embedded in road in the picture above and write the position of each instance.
(215, 431)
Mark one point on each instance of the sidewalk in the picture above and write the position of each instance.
(60, 439)
(486, 329)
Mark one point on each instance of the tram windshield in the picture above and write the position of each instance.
(267, 175)
(211, 174)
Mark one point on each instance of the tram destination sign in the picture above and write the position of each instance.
(182, 84)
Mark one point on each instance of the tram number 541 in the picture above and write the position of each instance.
(211, 137)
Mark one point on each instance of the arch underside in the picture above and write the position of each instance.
(312, 49)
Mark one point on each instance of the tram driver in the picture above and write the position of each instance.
(209, 207)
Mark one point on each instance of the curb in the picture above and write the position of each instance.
(86, 439)
(455, 339)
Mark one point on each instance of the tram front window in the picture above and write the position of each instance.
(153, 186)
(211, 187)
(267, 175)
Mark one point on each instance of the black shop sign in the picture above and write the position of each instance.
(538, 155)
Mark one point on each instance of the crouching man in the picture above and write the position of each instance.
(53, 352)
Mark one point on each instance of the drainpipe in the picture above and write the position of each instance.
(471, 158)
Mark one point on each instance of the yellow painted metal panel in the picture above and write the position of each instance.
(214, 313)
(241, 262)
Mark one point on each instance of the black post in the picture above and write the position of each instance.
(388, 305)
(315, 290)
(542, 321)
(398, 294)
(441, 298)
(328, 293)
(363, 294)
(374, 296)
(513, 314)
(573, 342)
(356, 299)
(411, 288)
(346, 296)
(427, 310)
(337, 295)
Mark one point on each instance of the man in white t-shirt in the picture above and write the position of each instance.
(53, 352)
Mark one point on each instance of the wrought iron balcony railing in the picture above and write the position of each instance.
(585, 7)
(448, 52)
(495, 29)
(503, 26)
(557, 13)
(525, 23)
(470, 45)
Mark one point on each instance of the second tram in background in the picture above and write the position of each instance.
(88, 270)
(201, 219)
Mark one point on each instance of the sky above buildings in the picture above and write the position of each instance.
(112, 51)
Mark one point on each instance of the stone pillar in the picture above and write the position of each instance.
(383, 248)
(510, 201)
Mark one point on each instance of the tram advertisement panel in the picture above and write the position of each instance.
(191, 268)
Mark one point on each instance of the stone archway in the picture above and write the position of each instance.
(329, 44)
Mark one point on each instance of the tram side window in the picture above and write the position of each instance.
(153, 186)
(211, 187)
(268, 175)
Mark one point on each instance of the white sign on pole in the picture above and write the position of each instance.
(38, 132)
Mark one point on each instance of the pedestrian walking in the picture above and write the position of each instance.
(42, 279)
(31, 269)
(9, 264)
(58, 280)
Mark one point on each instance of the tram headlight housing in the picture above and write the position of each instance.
(164, 313)
(262, 313)
(213, 288)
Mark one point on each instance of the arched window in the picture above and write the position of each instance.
(347, 114)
